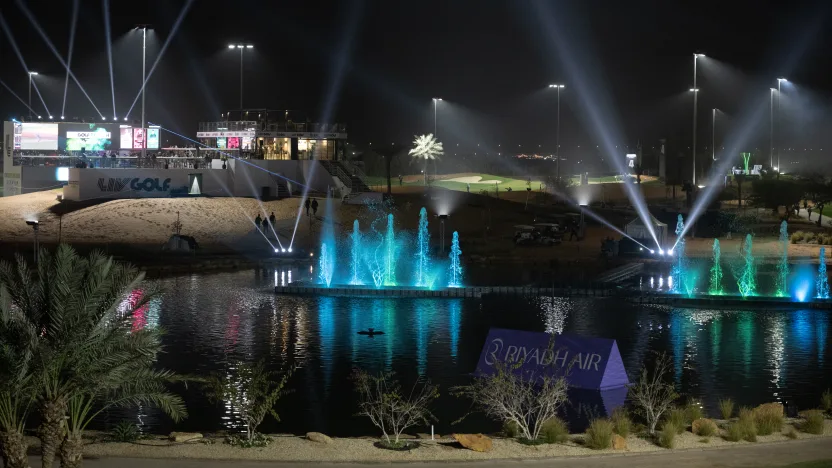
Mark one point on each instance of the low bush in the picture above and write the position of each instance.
(809, 237)
(554, 431)
(734, 432)
(667, 436)
(812, 422)
(622, 425)
(256, 440)
(693, 411)
(791, 433)
(678, 417)
(768, 419)
(599, 434)
(826, 401)
(746, 423)
(125, 431)
(796, 237)
(510, 429)
(705, 427)
(726, 407)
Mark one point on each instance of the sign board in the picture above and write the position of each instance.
(589, 363)
(305, 135)
(226, 134)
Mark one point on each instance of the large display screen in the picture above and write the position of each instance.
(233, 142)
(126, 137)
(153, 138)
(88, 137)
(221, 142)
(246, 143)
(37, 136)
(138, 138)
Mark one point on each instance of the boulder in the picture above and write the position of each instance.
(184, 436)
(618, 442)
(698, 424)
(318, 437)
(770, 407)
(475, 442)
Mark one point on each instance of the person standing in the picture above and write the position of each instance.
(272, 219)
(314, 207)
(306, 204)
(257, 221)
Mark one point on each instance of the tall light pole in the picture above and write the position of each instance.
(695, 96)
(144, 85)
(557, 132)
(713, 135)
(771, 128)
(241, 47)
(435, 102)
(31, 74)
(779, 97)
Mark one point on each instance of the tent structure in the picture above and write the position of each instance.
(638, 231)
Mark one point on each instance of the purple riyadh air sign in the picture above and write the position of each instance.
(590, 363)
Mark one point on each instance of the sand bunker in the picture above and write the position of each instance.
(473, 180)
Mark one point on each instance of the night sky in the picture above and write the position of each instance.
(375, 65)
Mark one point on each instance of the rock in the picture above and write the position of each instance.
(318, 437)
(475, 442)
(698, 424)
(770, 407)
(618, 442)
(184, 436)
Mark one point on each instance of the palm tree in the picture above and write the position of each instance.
(88, 356)
(426, 147)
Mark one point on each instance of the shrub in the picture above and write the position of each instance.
(826, 401)
(768, 419)
(693, 411)
(381, 399)
(554, 431)
(746, 423)
(797, 237)
(599, 434)
(734, 432)
(809, 237)
(125, 431)
(510, 429)
(244, 441)
(678, 418)
(621, 422)
(667, 436)
(812, 422)
(653, 395)
(791, 433)
(726, 408)
(705, 427)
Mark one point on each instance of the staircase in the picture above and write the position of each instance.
(356, 176)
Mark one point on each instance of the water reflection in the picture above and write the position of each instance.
(214, 322)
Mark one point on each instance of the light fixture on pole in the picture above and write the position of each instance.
(435, 102)
(241, 47)
(144, 27)
(779, 97)
(695, 96)
(771, 127)
(713, 134)
(557, 132)
(31, 74)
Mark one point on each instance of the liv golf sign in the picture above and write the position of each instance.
(137, 184)
(589, 363)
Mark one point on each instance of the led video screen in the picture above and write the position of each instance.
(138, 138)
(38, 136)
(233, 142)
(221, 142)
(87, 137)
(126, 138)
(153, 138)
(246, 143)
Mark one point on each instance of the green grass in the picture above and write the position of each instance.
(505, 183)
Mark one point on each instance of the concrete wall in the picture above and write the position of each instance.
(85, 184)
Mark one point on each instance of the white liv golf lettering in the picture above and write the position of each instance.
(540, 357)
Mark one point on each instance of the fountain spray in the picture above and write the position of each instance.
(783, 265)
(325, 262)
(715, 288)
(455, 271)
(355, 254)
(423, 250)
(678, 269)
(390, 254)
(822, 283)
(747, 282)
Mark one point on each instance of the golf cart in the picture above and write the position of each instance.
(548, 233)
(524, 234)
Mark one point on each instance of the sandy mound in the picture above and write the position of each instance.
(471, 180)
(491, 181)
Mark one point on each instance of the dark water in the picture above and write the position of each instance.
(215, 321)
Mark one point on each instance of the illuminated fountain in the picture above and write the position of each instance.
(378, 254)
(747, 281)
(715, 288)
(822, 283)
(782, 280)
(678, 269)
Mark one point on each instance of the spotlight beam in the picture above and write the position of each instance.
(48, 42)
(73, 24)
(18, 97)
(109, 41)
(161, 52)
(35, 85)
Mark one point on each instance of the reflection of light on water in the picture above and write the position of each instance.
(669, 282)
(555, 310)
(661, 282)
(651, 283)
(775, 346)
(702, 317)
(454, 318)
(326, 329)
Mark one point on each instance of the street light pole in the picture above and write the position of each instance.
(771, 128)
(241, 47)
(713, 135)
(31, 74)
(144, 85)
(435, 102)
(779, 97)
(695, 96)
(557, 132)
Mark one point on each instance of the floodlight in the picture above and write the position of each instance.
(275, 250)
(231, 46)
(290, 250)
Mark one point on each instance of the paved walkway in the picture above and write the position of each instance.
(827, 221)
(775, 454)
